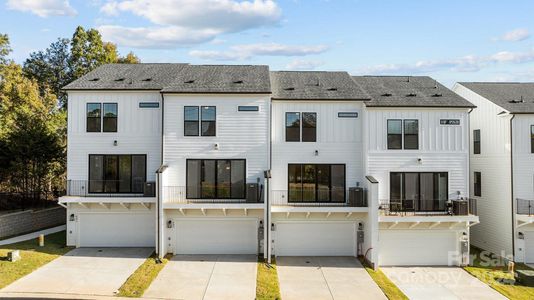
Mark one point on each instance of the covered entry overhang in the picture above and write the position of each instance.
(217, 208)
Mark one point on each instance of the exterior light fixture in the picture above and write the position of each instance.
(72, 218)
(420, 161)
(115, 143)
(316, 152)
(169, 224)
(216, 146)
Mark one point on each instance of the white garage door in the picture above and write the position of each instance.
(416, 247)
(229, 236)
(116, 230)
(315, 239)
(529, 247)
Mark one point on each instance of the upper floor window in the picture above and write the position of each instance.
(476, 141)
(477, 184)
(531, 138)
(304, 130)
(199, 120)
(401, 136)
(93, 117)
(102, 120)
(110, 117)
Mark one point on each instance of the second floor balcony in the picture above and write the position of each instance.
(428, 207)
(253, 194)
(110, 188)
(320, 197)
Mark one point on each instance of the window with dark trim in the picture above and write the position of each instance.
(309, 127)
(216, 179)
(292, 127)
(247, 108)
(191, 121)
(316, 182)
(394, 134)
(208, 118)
(531, 138)
(418, 191)
(117, 173)
(411, 134)
(476, 141)
(110, 117)
(477, 184)
(93, 117)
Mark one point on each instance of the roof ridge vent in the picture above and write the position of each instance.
(517, 101)
(332, 89)
(147, 79)
(94, 79)
(289, 89)
(237, 81)
(386, 95)
(411, 95)
(437, 95)
(189, 81)
(120, 79)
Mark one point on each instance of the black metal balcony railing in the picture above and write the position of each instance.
(525, 207)
(178, 195)
(461, 207)
(110, 188)
(353, 197)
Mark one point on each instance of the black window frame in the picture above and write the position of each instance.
(290, 127)
(216, 179)
(476, 141)
(99, 118)
(316, 183)
(531, 138)
(202, 121)
(403, 191)
(477, 184)
(89, 190)
(404, 134)
(116, 117)
(313, 138)
(394, 134)
(197, 122)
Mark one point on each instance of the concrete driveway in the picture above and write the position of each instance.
(83, 271)
(325, 278)
(192, 277)
(439, 283)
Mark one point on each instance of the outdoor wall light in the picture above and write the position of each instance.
(216, 146)
(420, 161)
(169, 224)
(273, 228)
(72, 218)
(316, 152)
(520, 236)
(115, 143)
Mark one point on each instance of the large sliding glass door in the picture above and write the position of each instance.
(117, 173)
(316, 183)
(424, 191)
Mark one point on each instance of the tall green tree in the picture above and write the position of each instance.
(5, 48)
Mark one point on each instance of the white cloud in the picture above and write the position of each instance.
(515, 35)
(242, 52)
(468, 63)
(193, 17)
(43, 8)
(303, 65)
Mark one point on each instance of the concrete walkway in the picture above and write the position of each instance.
(83, 271)
(33, 235)
(439, 283)
(321, 278)
(196, 277)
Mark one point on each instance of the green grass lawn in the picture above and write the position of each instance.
(141, 279)
(32, 256)
(493, 276)
(267, 281)
(387, 286)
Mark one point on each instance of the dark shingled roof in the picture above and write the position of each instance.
(221, 79)
(127, 77)
(315, 85)
(176, 78)
(515, 97)
(408, 91)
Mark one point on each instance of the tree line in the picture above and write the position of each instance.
(33, 109)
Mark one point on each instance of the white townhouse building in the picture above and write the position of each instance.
(218, 159)
(417, 147)
(502, 166)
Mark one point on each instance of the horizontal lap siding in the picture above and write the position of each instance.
(339, 140)
(240, 134)
(138, 130)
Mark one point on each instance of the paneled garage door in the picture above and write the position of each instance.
(416, 247)
(529, 247)
(315, 239)
(116, 230)
(220, 236)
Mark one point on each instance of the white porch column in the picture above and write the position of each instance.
(372, 186)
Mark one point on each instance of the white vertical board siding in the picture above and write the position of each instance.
(239, 134)
(138, 130)
(442, 148)
(523, 158)
(494, 233)
(339, 140)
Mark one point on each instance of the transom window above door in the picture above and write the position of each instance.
(200, 120)
(301, 127)
(316, 182)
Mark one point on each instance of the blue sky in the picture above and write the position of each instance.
(449, 40)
